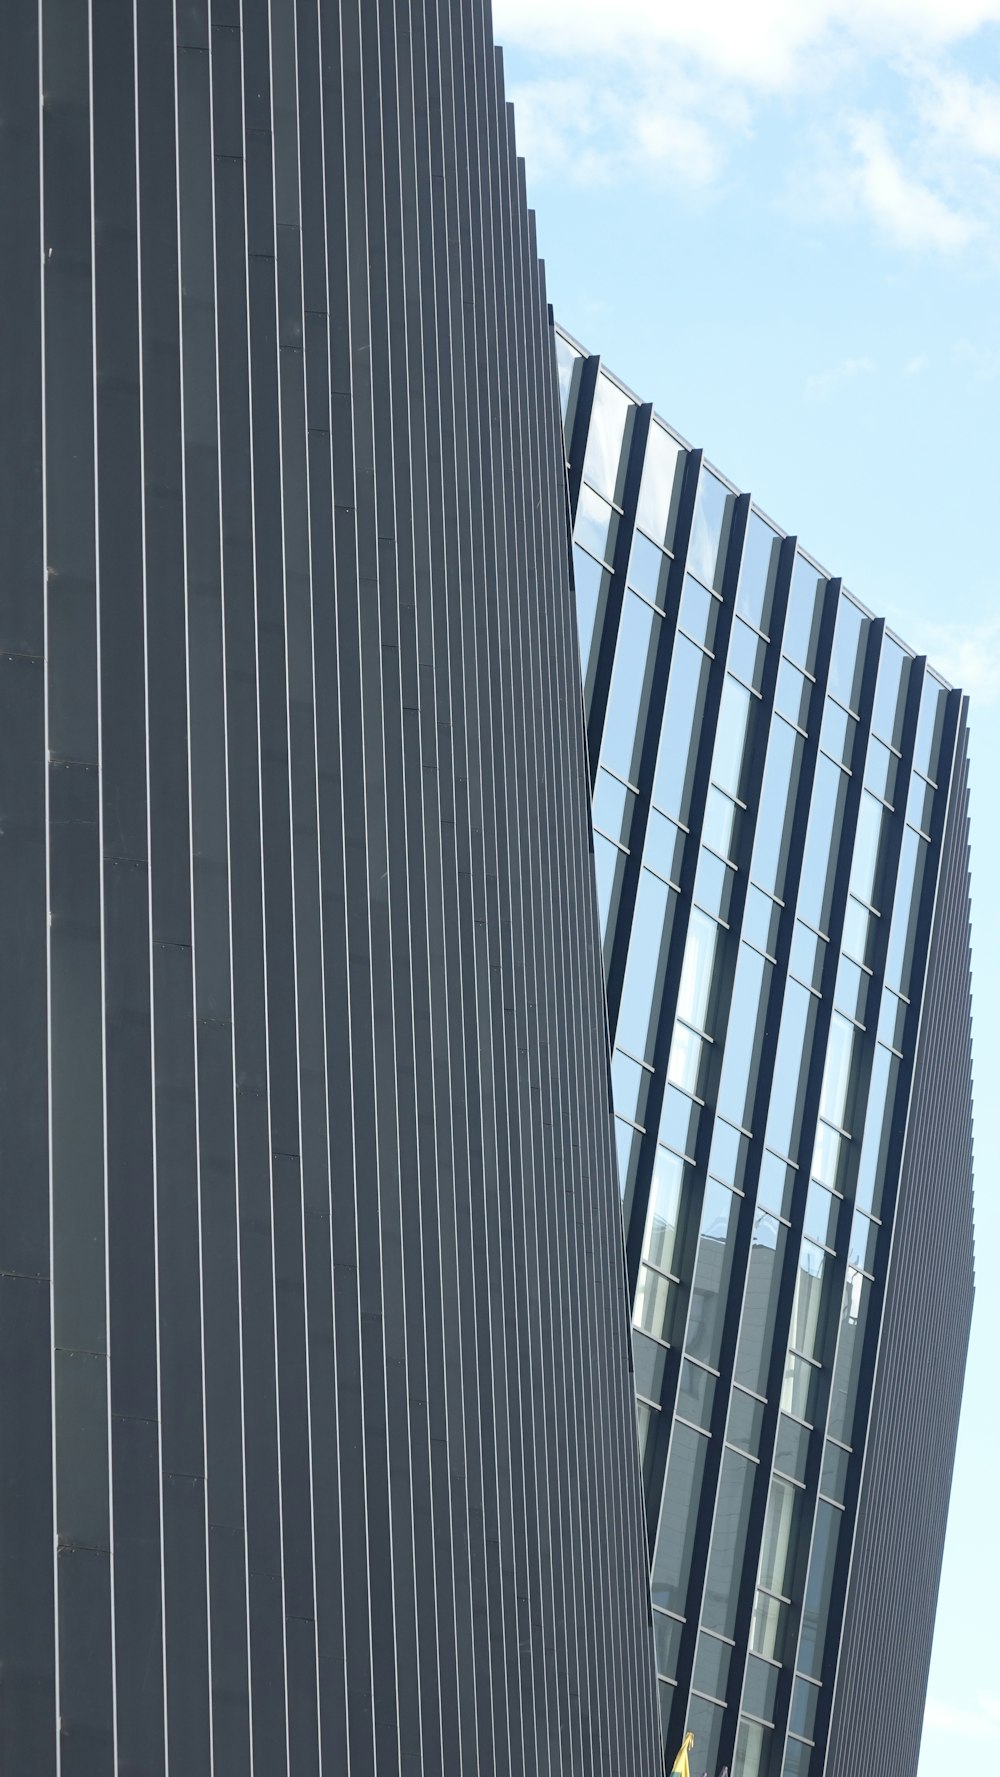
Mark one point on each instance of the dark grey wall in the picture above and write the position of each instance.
(878, 1703)
(316, 1421)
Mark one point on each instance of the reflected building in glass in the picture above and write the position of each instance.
(781, 855)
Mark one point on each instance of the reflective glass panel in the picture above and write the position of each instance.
(822, 1216)
(819, 1588)
(682, 1492)
(720, 825)
(793, 694)
(930, 728)
(890, 692)
(682, 718)
(836, 1099)
(705, 1721)
(747, 653)
(760, 1304)
(728, 1157)
(613, 805)
(850, 1352)
(848, 657)
(800, 638)
(791, 1069)
(662, 475)
(920, 803)
(753, 1749)
(569, 363)
(592, 582)
(851, 991)
(710, 530)
(745, 1420)
(694, 996)
(687, 1063)
(880, 1127)
(791, 1450)
(649, 1363)
(806, 1333)
(768, 1626)
(695, 1394)
(760, 1687)
(892, 1020)
(903, 966)
(664, 846)
(648, 947)
(625, 724)
(729, 1537)
(711, 1666)
(604, 463)
(596, 524)
(656, 1304)
(870, 845)
(829, 1161)
(779, 1542)
(833, 1474)
(860, 931)
(797, 1760)
(776, 820)
(758, 573)
(836, 735)
(713, 884)
(800, 1387)
(609, 869)
(745, 1037)
(761, 919)
(648, 570)
(667, 1632)
(807, 956)
(699, 612)
(713, 1266)
(864, 1242)
(731, 738)
(679, 1121)
(628, 1143)
(776, 1185)
(630, 1085)
(880, 771)
(802, 1717)
(823, 837)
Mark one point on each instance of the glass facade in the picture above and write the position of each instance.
(771, 772)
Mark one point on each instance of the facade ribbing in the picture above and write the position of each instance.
(317, 1445)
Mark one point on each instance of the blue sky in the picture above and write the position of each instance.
(781, 224)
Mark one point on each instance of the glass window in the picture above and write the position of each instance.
(850, 1352)
(613, 805)
(920, 803)
(630, 1085)
(837, 733)
(720, 826)
(687, 1064)
(758, 573)
(664, 846)
(649, 1363)
(705, 1722)
(760, 1303)
(864, 1242)
(713, 884)
(729, 1539)
(791, 1450)
(753, 1750)
(569, 365)
(699, 612)
(890, 692)
(638, 1014)
(819, 1588)
(807, 956)
(710, 530)
(625, 723)
(667, 1633)
(830, 1153)
(609, 869)
(880, 770)
(807, 1328)
(731, 750)
(768, 1626)
(822, 1216)
(860, 930)
(892, 1020)
(682, 718)
(604, 464)
(592, 582)
(745, 1037)
(776, 819)
(803, 618)
(761, 919)
(760, 1687)
(657, 1304)
(836, 1098)
(833, 1474)
(850, 994)
(711, 1668)
(800, 1387)
(901, 954)
(746, 1417)
(679, 1121)
(870, 846)
(797, 1760)
(713, 1266)
(662, 476)
(930, 728)
(822, 849)
(747, 654)
(880, 1127)
(648, 570)
(848, 657)
(646, 1417)
(791, 1069)
(628, 1143)
(694, 996)
(793, 694)
(776, 1184)
(779, 1541)
(696, 1394)
(596, 524)
(802, 1717)
(682, 1492)
(728, 1157)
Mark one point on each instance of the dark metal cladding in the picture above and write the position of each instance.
(317, 1446)
(896, 1565)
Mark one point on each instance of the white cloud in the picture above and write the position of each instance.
(908, 210)
(964, 114)
(825, 382)
(592, 134)
(968, 654)
(978, 1722)
(915, 366)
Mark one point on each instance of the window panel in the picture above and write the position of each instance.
(630, 1085)
(838, 732)
(664, 848)
(729, 1541)
(713, 1268)
(649, 945)
(807, 956)
(760, 1303)
(720, 826)
(850, 1352)
(624, 726)
(864, 1242)
(662, 476)
(648, 570)
(930, 728)
(800, 639)
(880, 1127)
(746, 1418)
(791, 1450)
(761, 919)
(870, 847)
(837, 1093)
(613, 805)
(699, 613)
(728, 1156)
(807, 1329)
(710, 530)
(747, 654)
(890, 692)
(920, 803)
(682, 719)
(760, 1686)
(687, 1063)
(696, 1394)
(901, 956)
(860, 932)
(848, 657)
(745, 1037)
(833, 1474)
(793, 694)
(822, 1216)
(649, 1364)
(802, 1716)
(713, 885)
(682, 1493)
(797, 1760)
(819, 1588)
(800, 1387)
(695, 998)
(776, 819)
(768, 1629)
(753, 1750)
(779, 1542)
(791, 1069)
(881, 767)
(758, 573)
(596, 525)
(667, 1634)
(657, 1304)
(731, 751)
(569, 363)
(679, 1121)
(711, 1668)
(592, 582)
(822, 849)
(604, 464)
(609, 869)
(776, 1184)
(850, 995)
(705, 1721)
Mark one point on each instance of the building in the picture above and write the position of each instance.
(781, 853)
(317, 1446)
